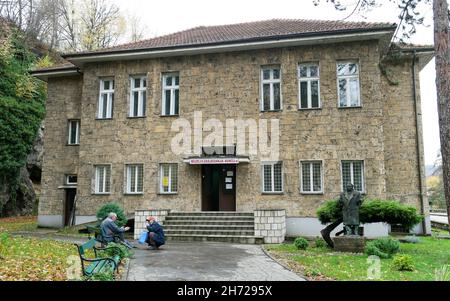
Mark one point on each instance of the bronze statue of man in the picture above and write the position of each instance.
(350, 201)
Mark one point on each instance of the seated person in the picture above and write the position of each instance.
(111, 232)
(156, 237)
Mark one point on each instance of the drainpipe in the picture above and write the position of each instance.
(418, 151)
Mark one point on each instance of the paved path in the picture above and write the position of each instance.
(206, 262)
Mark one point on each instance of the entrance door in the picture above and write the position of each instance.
(219, 188)
(69, 205)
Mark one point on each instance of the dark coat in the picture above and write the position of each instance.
(110, 230)
(350, 207)
(159, 238)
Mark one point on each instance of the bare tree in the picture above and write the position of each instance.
(409, 18)
(136, 29)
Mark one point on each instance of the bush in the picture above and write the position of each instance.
(383, 248)
(300, 243)
(403, 263)
(320, 243)
(117, 209)
(118, 249)
(373, 211)
(103, 276)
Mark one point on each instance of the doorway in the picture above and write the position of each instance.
(69, 206)
(219, 188)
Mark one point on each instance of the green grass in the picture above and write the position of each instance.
(17, 224)
(319, 263)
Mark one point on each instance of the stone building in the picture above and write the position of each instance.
(344, 99)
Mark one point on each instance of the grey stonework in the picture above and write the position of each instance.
(271, 225)
(227, 85)
(140, 217)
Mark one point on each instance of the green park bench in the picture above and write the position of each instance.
(91, 266)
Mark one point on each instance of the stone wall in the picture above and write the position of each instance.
(140, 217)
(271, 225)
(223, 86)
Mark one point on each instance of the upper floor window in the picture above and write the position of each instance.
(309, 84)
(270, 89)
(348, 84)
(102, 179)
(71, 180)
(311, 177)
(168, 178)
(353, 173)
(138, 97)
(74, 132)
(171, 94)
(272, 177)
(106, 99)
(135, 179)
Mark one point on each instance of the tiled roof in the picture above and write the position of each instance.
(266, 30)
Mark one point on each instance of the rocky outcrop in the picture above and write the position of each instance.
(18, 196)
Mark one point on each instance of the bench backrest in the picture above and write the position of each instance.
(87, 246)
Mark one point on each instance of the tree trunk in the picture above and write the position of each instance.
(326, 233)
(441, 42)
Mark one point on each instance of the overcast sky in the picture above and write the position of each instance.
(163, 17)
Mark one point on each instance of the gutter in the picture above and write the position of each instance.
(45, 74)
(418, 149)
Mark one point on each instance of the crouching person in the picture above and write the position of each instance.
(156, 237)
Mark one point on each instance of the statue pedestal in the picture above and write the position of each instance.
(351, 243)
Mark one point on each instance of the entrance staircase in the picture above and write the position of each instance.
(232, 227)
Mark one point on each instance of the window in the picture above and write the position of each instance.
(272, 178)
(309, 83)
(353, 172)
(135, 179)
(348, 84)
(270, 89)
(71, 179)
(171, 95)
(106, 99)
(102, 179)
(168, 178)
(74, 132)
(311, 177)
(138, 96)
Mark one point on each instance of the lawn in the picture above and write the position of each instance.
(324, 264)
(16, 224)
(34, 259)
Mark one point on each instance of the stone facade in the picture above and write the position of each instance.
(227, 85)
(141, 215)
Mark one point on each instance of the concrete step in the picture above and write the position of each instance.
(169, 231)
(225, 223)
(203, 218)
(221, 213)
(216, 238)
(209, 227)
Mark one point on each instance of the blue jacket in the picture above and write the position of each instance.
(159, 238)
(110, 229)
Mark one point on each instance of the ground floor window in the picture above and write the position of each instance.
(272, 179)
(168, 178)
(135, 179)
(353, 172)
(311, 177)
(102, 179)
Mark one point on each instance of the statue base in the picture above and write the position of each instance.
(350, 243)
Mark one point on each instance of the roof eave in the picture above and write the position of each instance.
(52, 73)
(300, 40)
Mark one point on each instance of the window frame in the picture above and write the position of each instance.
(311, 168)
(172, 90)
(77, 132)
(128, 179)
(141, 100)
(110, 99)
(271, 82)
(96, 179)
(161, 176)
(272, 164)
(308, 80)
(363, 186)
(347, 78)
(67, 182)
